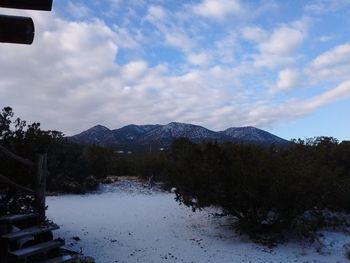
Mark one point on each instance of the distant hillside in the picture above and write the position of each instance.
(253, 135)
(145, 137)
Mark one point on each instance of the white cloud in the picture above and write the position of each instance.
(61, 74)
(180, 40)
(333, 64)
(115, 4)
(255, 34)
(287, 79)
(200, 58)
(342, 91)
(134, 70)
(168, 31)
(266, 7)
(225, 49)
(219, 9)
(125, 38)
(278, 48)
(156, 14)
(325, 38)
(282, 41)
(264, 114)
(78, 10)
(325, 6)
(335, 56)
(272, 61)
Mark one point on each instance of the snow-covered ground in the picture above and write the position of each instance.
(126, 222)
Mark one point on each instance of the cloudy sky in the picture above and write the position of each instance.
(283, 66)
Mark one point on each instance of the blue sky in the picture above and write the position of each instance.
(282, 66)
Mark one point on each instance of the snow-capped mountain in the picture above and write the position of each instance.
(129, 133)
(167, 133)
(133, 136)
(95, 135)
(252, 134)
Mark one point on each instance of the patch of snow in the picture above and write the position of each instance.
(130, 222)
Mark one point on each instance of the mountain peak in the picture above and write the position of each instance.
(94, 135)
(177, 123)
(100, 127)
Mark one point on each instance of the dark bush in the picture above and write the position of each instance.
(267, 189)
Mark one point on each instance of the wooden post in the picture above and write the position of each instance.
(40, 190)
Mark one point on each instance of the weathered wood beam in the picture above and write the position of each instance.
(15, 185)
(44, 5)
(41, 186)
(16, 157)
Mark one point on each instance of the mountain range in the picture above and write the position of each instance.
(144, 137)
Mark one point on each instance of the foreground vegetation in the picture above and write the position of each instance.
(269, 190)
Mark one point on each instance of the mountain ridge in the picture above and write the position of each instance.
(138, 137)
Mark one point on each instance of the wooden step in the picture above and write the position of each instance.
(16, 218)
(37, 249)
(32, 231)
(61, 259)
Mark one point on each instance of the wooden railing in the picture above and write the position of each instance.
(40, 184)
(16, 157)
(9, 182)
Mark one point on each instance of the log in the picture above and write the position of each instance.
(37, 249)
(16, 157)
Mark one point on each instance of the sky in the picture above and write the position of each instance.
(282, 66)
